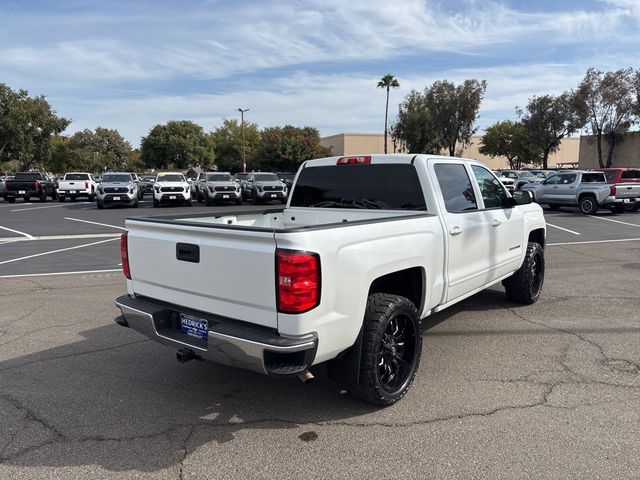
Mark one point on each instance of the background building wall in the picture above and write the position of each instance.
(626, 153)
(363, 143)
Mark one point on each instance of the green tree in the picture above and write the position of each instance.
(441, 118)
(509, 139)
(387, 82)
(548, 119)
(26, 126)
(609, 101)
(228, 142)
(413, 127)
(453, 110)
(177, 144)
(285, 148)
(99, 150)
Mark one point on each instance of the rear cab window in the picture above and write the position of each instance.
(593, 177)
(388, 186)
(456, 188)
(76, 176)
(630, 175)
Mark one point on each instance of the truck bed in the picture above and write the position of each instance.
(226, 263)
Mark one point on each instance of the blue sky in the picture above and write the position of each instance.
(132, 64)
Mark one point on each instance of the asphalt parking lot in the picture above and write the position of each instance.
(550, 390)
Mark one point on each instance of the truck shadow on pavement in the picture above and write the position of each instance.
(118, 400)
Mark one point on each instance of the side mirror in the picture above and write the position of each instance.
(521, 197)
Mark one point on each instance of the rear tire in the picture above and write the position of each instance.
(72, 198)
(525, 285)
(588, 205)
(61, 198)
(391, 348)
(635, 207)
(26, 198)
(92, 197)
(10, 199)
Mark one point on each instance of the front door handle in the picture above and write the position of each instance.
(495, 222)
(455, 231)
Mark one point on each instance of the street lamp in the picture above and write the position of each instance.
(244, 157)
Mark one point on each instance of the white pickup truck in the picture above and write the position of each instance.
(76, 184)
(365, 248)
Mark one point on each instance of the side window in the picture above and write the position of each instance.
(492, 190)
(456, 187)
(568, 178)
(553, 180)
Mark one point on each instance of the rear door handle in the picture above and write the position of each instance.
(455, 231)
(495, 222)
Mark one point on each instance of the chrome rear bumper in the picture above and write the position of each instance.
(229, 342)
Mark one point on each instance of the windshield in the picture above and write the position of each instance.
(266, 177)
(116, 178)
(76, 176)
(287, 176)
(219, 177)
(148, 178)
(170, 177)
(376, 186)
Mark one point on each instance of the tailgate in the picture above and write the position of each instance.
(234, 275)
(628, 190)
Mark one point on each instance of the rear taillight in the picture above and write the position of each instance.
(612, 190)
(298, 276)
(37, 185)
(86, 185)
(354, 160)
(124, 255)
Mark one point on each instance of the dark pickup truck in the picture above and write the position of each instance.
(28, 185)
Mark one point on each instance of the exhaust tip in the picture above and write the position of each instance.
(306, 377)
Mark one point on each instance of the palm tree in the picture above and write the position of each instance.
(388, 82)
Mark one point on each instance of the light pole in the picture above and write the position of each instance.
(244, 157)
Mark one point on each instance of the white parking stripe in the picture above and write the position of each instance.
(57, 251)
(35, 208)
(596, 241)
(616, 221)
(59, 237)
(16, 231)
(562, 228)
(60, 273)
(95, 223)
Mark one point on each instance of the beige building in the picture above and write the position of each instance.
(626, 153)
(362, 143)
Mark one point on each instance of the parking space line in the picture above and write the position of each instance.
(562, 228)
(617, 240)
(35, 208)
(59, 237)
(57, 251)
(616, 221)
(95, 223)
(16, 231)
(60, 273)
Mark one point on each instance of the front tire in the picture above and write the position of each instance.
(525, 285)
(588, 205)
(391, 348)
(100, 205)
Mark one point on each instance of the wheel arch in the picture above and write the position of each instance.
(538, 236)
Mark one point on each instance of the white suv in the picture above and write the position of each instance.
(171, 187)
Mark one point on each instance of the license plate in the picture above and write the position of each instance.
(116, 198)
(172, 197)
(194, 326)
(21, 192)
(225, 196)
(72, 191)
(626, 200)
